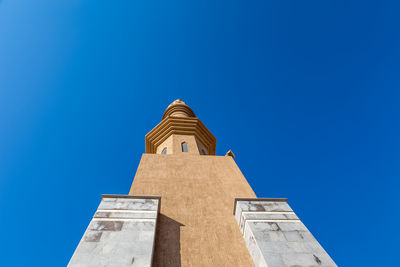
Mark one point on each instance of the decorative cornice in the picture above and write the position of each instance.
(257, 199)
(179, 109)
(182, 126)
(129, 196)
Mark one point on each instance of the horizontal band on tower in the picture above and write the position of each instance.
(124, 219)
(180, 126)
(257, 199)
(128, 211)
(129, 196)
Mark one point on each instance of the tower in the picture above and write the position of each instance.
(189, 207)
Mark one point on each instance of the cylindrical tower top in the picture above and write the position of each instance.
(178, 108)
(180, 132)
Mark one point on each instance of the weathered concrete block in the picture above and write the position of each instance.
(121, 233)
(275, 236)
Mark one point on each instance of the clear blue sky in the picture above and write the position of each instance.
(306, 93)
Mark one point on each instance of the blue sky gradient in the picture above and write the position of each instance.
(306, 94)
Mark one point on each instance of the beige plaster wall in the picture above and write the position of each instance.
(196, 226)
(168, 143)
(174, 145)
(190, 139)
(200, 146)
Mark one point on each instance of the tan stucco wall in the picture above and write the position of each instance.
(200, 147)
(174, 142)
(196, 226)
(168, 143)
(189, 139)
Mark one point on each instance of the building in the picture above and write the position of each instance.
(189, 207)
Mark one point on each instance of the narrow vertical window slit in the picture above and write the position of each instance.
(185, 147)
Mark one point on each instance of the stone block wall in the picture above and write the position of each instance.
(121, 233)
(275, 237)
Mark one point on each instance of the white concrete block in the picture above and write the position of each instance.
(121, 233)
(275, 236)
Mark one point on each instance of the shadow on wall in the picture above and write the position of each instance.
(167, 251)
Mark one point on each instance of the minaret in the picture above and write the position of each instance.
(180, 132)
(197, 189)
(189, 207)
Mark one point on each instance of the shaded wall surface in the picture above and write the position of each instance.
(196, 226)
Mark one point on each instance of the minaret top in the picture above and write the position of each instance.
(178, 108)
(180, 132)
